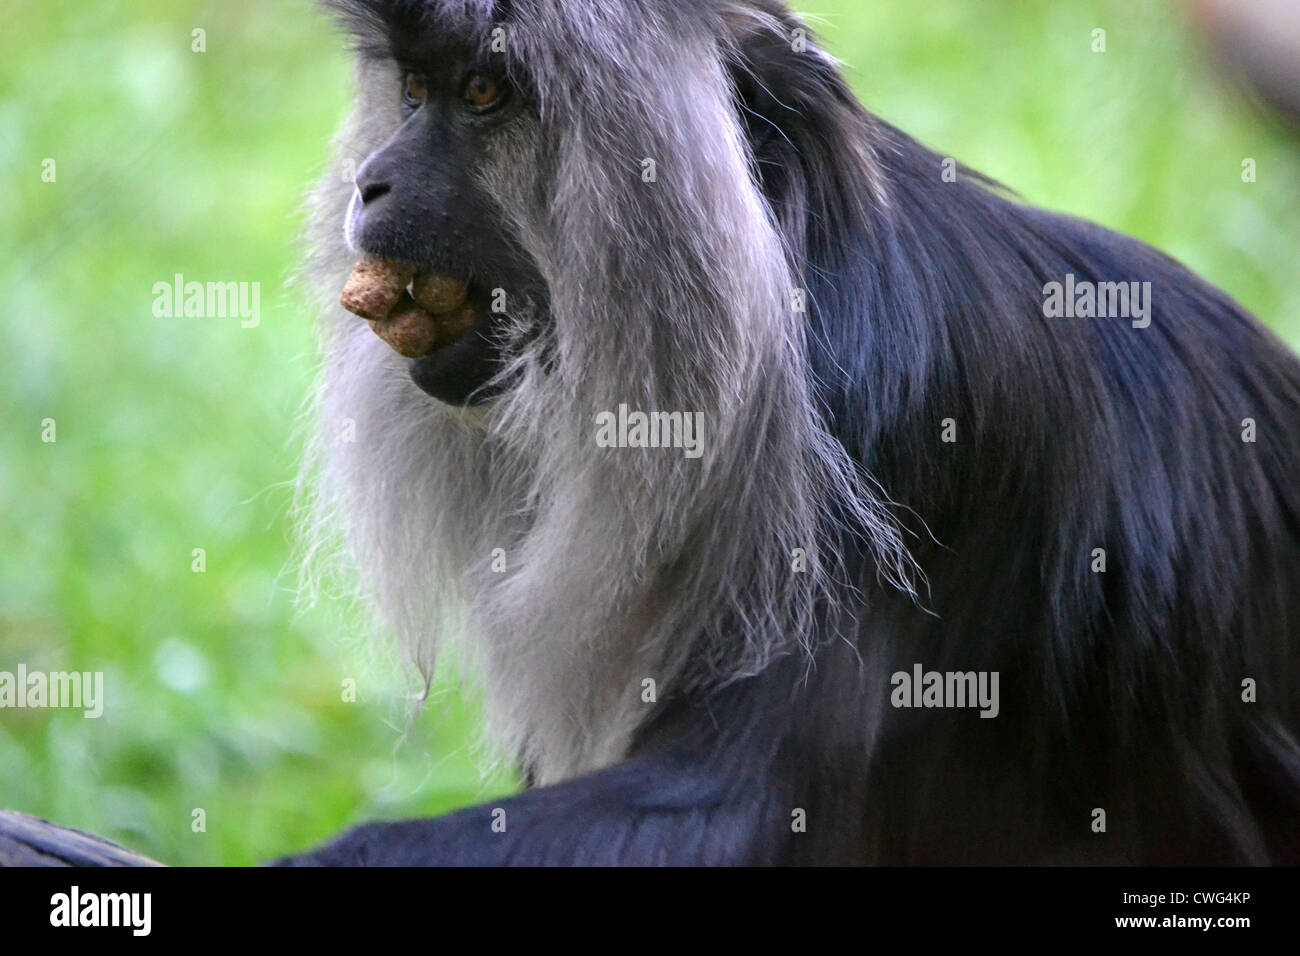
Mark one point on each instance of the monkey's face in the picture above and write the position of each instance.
(421, 203)
(545, 166)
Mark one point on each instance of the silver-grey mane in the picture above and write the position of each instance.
(621, 564)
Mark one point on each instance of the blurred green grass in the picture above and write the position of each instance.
(176, 434)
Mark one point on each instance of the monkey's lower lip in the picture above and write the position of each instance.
(417, 312)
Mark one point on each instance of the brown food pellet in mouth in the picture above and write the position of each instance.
(458, 323)
(434, 313)
(438, 294)
(375, 286)
(409, 330)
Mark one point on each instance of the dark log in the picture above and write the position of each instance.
(30, 841)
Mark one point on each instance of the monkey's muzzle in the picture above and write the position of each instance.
(415, 313)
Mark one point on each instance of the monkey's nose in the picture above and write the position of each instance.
(371, 191)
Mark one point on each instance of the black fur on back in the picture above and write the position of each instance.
(1121, 690)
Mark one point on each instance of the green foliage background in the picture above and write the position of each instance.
(176, 434)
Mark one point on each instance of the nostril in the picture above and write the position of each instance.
(372, 191)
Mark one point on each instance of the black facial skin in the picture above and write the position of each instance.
(419, 202)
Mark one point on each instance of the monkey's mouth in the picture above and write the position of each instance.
(416, 312)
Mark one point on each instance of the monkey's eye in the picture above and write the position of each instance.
(415, 90)
(483, 92)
